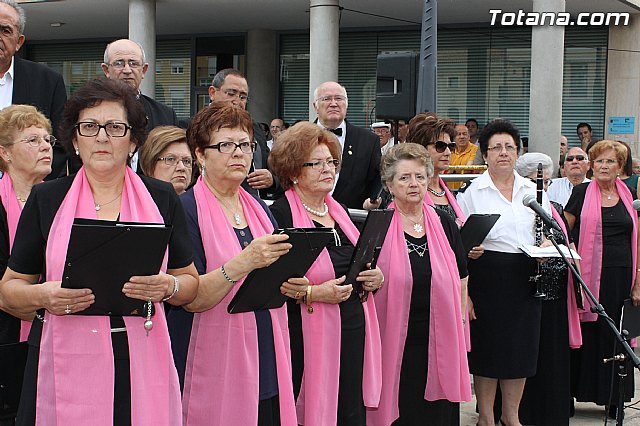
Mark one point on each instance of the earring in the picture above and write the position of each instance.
(77, 151)
(295, 182)
(202, 169)
(130, 154)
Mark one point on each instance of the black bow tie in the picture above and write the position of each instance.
(337, 132)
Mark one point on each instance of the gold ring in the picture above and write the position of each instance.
(297, 295)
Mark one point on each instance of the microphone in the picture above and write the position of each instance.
(530, 201)
(636, 204)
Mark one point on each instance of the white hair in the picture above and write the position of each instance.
(315, 91)
(527, 164)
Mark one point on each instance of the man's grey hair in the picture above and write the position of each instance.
(22, 17)
(106, 51)
(527, 164)
(315, 91)
(218, 79)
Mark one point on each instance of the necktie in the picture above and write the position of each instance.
(337, 132)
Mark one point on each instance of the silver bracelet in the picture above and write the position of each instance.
(226, 276)
(176, 288)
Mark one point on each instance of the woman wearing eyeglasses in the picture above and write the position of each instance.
(604, 226)
(97, 369)
(506, 329)
(236, 367)
(335, 341)
(166, 155)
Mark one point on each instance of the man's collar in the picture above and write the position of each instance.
(342, 126)
(10, 70)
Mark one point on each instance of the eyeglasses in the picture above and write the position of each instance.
(441, 146)
(233, 93)
(120, 63)
(319, 164)
(114, 129)
(575, 157)
(35, 141)
(498, 148)
(329, 99)
(229, 147)
(172, 161)
(547, 182)
(607, 161)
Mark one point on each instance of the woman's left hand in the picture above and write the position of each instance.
(371, 279)
(295, 288)
(476, 252)
(635, 292)
(150, 287)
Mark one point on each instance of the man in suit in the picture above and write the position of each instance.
(229, 85)
(26, 82)
(124, 60)
(359, 176)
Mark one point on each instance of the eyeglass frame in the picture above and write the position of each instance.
(499, 148)
(570, 158)
(103, 126)
(177, 160)
(547, 181)
(440, 149)
(233, 93)
(332, 164)
(51, 142)
(236, 146)
(335, 98)
(133, 64)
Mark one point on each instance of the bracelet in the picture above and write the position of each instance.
(176, 288)
(307, 300)
(226, 276)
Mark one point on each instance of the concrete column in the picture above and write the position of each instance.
(623, 80)
(545, 99)
(142, 29)
(262, 74)
(324, 36)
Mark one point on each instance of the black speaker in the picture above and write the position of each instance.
(397, 85)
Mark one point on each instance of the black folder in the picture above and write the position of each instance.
(14, 359)
(630, 320)
(103, 255)
(476, 228)
(261, 289)
(369, 244)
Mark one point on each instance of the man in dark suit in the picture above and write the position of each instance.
(26, 82)
(359, 176)
(229, 85)
(124, 60)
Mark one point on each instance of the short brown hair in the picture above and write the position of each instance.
(214, 117)
(157, 141)
(294, 147)
(604, 145)
(404, 151)
(425, 127)
(16, 118)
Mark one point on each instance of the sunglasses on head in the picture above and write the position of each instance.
(441, 146)
(577, 157)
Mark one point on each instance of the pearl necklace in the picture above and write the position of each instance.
(22, 200)
(316, 212)
(417, 226)
(436, 193)
(99, 206)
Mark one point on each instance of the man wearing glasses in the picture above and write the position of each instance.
(359, 175)
(576, 166)
(229, 85)
(124, 60)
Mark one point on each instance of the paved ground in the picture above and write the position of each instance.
(587, 414)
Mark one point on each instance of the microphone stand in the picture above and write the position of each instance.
(627, 353)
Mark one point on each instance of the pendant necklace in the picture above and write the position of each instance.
(417, 226)
(22, 200)
(236, 216)
(99, 206)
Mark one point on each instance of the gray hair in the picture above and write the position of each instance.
(22, 17)
(106, 50)
(527, 164)
(404, 151)
(220, 77)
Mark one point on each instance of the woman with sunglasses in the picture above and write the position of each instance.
(166, 155)
(505, 333)
(335, 341)
(235, 367)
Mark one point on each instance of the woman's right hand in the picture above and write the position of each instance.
(64, 301)
(332, 291)
(472, 312)
(476, 252)
(265, 250)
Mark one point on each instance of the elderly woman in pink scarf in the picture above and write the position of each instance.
(420, 309)
(98, 370)
(605, 230)
(335, 342)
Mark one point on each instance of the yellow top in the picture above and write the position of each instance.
(464, 158)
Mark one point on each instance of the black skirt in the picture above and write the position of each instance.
(505, 336)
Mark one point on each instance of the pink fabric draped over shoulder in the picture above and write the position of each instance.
(76, 372)
(318, 400)
(14, 210)
(590, 244)
(222, 372)
(448, 372)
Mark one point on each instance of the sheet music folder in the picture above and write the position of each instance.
(103, 255)
(476, 228)
(261, 288)
(630, 319)
(14, 359)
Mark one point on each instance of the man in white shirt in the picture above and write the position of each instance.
(275, 128)
(383, 130)
(576, 166)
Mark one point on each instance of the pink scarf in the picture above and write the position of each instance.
(575, 335)
(221, 379)
(318, 400)
(13, 209)
(76, 372)
(590, 249)
(448, 372)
